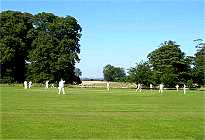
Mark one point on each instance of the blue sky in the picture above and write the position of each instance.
(123, 32)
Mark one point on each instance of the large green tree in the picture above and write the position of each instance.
(112, 73)
(170, 64)
(55, 48)
(199, 63)
(44, 45)
(142, 74)
(14, 44)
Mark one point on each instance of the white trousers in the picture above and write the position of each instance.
(140, 89)
(61, 89)
(160, 90)
(184, 91)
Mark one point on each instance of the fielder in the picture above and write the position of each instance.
(61, 86)
(177, 87)
(151, 86)
(139, 87)
(161, 86)
(25, 84)
(108, 86)
(47, 83)
(29, 84)
(184, 88)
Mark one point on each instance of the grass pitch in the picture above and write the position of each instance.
(40, 113)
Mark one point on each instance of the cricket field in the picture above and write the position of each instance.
(85, 113)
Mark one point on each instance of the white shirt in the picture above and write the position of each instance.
(25, 82)
(184, 86)
(61, 84)
(161, 86)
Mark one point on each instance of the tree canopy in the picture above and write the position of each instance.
(140, 74)
(56, 47)
(199, 62)
(14, 44)
(170, 64)
(112, 73)
(48, 43)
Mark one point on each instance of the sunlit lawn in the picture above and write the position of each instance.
(98, 114)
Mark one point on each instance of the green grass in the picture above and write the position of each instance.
(40, 113)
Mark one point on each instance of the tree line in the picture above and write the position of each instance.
(39, 47)
(46, 47)
(167, 64)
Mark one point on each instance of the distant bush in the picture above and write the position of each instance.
(190, 84)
